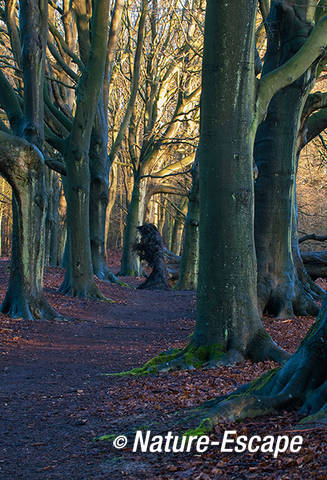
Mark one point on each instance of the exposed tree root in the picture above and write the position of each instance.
(287, 298)
(188, 358)
(89, 290)
(24, 306)
(206, 356)
(105, 274)
(301, 382)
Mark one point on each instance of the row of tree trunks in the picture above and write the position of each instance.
(280, 291)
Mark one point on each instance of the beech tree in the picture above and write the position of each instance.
(86, 177)
(79, 279)
(281, 290)
(302, 380)
(228, 326)
(189, 265)
(22, 162)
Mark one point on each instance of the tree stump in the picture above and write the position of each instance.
(151, 249)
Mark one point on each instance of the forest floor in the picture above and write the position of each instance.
(55, 399)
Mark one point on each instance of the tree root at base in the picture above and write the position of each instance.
(89, 291)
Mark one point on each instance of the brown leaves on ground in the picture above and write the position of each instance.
(54, 400)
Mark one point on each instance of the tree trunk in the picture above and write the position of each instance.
(51, 222)
(178, 227)
(111, 202)
(280, 292)
(130, 263)
(99, 169)
(23, 167)
(79, 278)
(189, 266)
(62, 230)
(228, 327)
(227, 314)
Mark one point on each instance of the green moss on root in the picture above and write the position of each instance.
(256, 385)
(151, 366)
(262, 381)
(315, 419)
(206, 426)
(191, 356)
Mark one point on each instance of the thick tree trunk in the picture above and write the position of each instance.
(228, 326)
(99, 169)
(280, 291)
(227, 312)
(23, 167)
(189, 266)
(130, 263)
(79, 278)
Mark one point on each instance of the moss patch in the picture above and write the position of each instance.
(206, 426)
(191, 356)
(152, 365)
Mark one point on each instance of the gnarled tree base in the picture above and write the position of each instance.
(29, 308)
(207, 356)
(301, 382)
(87, 290)
(102, 272)
(287, 298)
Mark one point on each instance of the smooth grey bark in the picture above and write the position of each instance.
(100, 162)
(227, 314)
(99, 185)
(79, 278)
(23, 167)
(189, 265)
(280, 290)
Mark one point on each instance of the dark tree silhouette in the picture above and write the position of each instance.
(151, 249)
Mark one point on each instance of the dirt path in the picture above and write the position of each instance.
(55, 400)
(51, 390)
